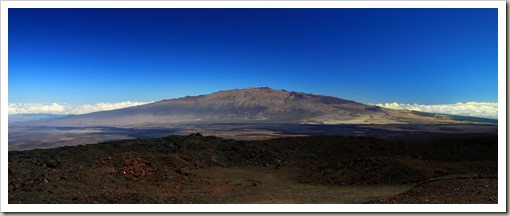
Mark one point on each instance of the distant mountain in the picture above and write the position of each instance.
(254, 105)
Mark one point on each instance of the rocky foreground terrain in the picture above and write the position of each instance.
(208, 169)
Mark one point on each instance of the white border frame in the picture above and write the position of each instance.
(500, 207)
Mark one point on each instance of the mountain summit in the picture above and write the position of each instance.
(252, 105)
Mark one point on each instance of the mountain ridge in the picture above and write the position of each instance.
(253, 105)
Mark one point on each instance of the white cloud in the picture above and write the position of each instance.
(55, 108)
(475, 109)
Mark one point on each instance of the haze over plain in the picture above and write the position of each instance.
(321, 128)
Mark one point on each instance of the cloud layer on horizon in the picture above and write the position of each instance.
(56, 108)
(474, 109)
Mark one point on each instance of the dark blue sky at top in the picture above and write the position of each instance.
(81, 56)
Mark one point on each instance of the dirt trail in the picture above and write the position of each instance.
(306, 170)
(269, 185)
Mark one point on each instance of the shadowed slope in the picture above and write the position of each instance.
(251, 105)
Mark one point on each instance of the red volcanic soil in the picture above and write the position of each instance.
(198, 169)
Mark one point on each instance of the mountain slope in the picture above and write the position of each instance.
(206, 169)
(251, 105)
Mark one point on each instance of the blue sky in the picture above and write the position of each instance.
(86, 56)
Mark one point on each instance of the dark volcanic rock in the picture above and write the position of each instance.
(170, 169)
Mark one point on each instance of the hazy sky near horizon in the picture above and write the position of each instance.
(88, 56)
